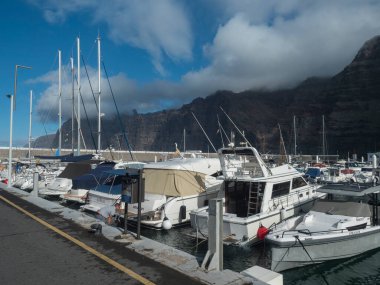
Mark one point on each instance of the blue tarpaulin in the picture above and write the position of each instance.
(94, 177)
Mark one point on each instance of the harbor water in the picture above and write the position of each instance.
(361, 269)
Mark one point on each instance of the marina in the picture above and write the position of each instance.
(188, 142)
(237, 257)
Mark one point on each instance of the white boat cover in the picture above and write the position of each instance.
(352, 209)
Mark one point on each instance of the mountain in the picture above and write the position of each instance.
(349, 101)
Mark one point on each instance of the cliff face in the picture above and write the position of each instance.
(349, 101)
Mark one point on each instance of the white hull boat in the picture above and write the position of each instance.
(172, 189)
(255, 195)
(331, 230)
(63, 182)
(93, 179)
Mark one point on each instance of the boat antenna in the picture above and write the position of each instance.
(242, 134)
(204, 132)
(222, 131)
(282, 145)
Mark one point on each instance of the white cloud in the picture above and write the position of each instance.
(317, 39)
(159, 27)
(257, 44)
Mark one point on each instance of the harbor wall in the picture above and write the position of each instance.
(21, 153)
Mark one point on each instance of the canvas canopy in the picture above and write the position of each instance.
(172, 182)
(93, 178)
(352, 209)
(73, 170)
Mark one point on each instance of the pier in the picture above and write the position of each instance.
(143, 261)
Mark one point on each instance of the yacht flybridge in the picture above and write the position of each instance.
(255, 196)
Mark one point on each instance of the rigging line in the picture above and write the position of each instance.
(47, 115)
(81, 133)
(88, 122)
(236, 127)
(297, 238)
(91, 50)
(204, 132)
(89, 82)
(219, 129)
(224, 132)
(118, 114)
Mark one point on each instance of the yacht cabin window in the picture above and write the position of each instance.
(280, 189)
(298, 182)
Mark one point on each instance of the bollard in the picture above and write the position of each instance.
(214, 256)
(35, 184)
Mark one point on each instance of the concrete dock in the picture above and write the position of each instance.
(181, 262)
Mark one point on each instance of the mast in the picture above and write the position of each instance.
(60, 104)
(73, 104)
(323, 137)
(282, 146)
(78, 112)
(30, 121)
(295, 135)
(184, 140)
(99, 91)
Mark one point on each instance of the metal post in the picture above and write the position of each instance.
(295, 135)
(214, 256)
(13, 105)
(79, 127)
(30, 123)
(125, 217)
(139, 205)
(35, 184)
(10, 142)
(99, 90)
(73, 104)
(60, 105)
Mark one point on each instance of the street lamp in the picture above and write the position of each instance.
(13, 106)
(10, 96)
(17, 67)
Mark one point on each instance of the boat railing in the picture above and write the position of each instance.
(291, 198)
(309, 233)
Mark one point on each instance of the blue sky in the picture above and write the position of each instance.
(162, 54)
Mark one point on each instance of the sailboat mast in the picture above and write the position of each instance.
(60, 104)
(78, 112)
(295, 135)
(30, 121)
(184, 140)
(99, 91)
(72, 104)
(323, 137)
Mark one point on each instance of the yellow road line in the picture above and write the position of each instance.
(82, 245)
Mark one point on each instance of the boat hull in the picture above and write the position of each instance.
(290, 253)
(243, 231)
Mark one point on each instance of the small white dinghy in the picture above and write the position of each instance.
(343, 225)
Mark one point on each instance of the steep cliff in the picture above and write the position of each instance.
(350, 102)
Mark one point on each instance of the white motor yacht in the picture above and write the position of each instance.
(255, 195)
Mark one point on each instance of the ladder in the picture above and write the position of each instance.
(253, 199)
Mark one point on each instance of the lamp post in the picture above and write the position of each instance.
(16, 68)
(13, 106)
(10, 96)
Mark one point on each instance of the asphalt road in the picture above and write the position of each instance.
(31, 253)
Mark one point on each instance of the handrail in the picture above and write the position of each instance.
(308, 232)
